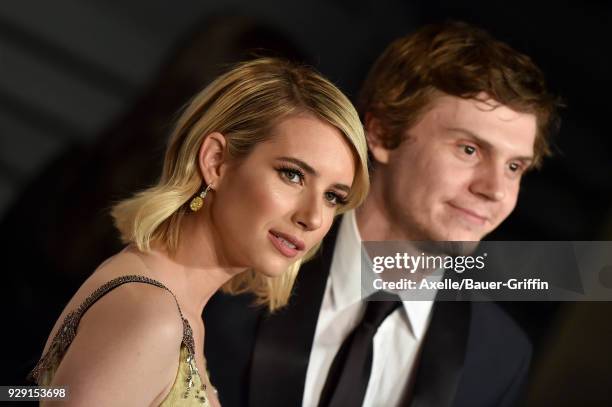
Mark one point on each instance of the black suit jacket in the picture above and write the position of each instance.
(473, 354)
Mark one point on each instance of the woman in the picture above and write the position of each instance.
(257, 167)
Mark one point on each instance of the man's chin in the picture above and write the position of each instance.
(448, 247)
(459, 235)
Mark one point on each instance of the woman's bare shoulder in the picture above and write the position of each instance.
(135, 304)
(128, 340)
(126, 262)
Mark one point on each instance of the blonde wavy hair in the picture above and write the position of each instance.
(243, 104)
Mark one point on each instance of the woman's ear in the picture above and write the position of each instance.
(374, 136)
(212, 158)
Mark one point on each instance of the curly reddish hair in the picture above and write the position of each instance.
(456, 59)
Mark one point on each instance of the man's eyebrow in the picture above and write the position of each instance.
(308, 169)
(486, 144)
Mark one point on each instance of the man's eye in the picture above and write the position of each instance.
(469, 150)
(514, 167)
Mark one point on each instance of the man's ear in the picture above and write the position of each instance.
(212, 158)
(374, 135)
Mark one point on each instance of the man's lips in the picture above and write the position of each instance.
(469, 214)
(288, 245)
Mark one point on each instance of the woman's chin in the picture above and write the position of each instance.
(273, 272)
(274, 268)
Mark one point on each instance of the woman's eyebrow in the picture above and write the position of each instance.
(307, 168)
(342, 187)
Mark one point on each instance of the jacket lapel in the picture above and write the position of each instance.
(443, 355)
(284, 339)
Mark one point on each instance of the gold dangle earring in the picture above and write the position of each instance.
(198, 201)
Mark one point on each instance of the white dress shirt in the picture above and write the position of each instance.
(395, 344)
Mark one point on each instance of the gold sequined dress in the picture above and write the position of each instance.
(188, 388)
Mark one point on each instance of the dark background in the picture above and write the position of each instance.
(89, 90)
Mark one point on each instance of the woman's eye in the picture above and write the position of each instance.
(291, 175)
(334, 199)
(331, 197)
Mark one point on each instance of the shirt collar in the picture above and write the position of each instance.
(345, 276)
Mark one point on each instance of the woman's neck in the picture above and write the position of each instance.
(197, 268)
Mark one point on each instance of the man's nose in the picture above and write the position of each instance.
(490, 182)
(309, 212)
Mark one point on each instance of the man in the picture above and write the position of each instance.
(454, 119)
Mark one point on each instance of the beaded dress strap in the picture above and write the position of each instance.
(67, 331)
